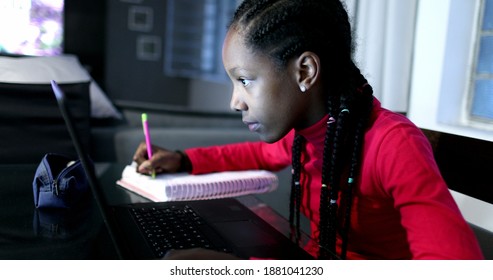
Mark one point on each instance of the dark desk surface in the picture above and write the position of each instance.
(30, 233)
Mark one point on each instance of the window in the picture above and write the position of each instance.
(194, 35)
(444, 67)
(481, 86)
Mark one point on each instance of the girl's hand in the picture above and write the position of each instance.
(162, 161)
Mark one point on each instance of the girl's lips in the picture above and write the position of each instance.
(253, 126)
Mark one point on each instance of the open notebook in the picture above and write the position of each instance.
(183, 186)
(149, 230)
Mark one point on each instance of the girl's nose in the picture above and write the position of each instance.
(236, 103)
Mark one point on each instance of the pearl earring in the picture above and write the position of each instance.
(302, 88)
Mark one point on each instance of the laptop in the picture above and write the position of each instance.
(149, 230)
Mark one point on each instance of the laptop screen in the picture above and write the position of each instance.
(86, 162)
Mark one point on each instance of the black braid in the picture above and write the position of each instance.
(249, 9)
(338, 154)
(324, 195)
(364, 107)
(283, 29)
(295, 196)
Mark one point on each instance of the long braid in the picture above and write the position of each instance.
(324, 191)
(364, 107)
(338, 155)
(283, 29)
(333, 161)
(295, 196)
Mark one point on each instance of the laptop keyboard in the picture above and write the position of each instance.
(172, 227)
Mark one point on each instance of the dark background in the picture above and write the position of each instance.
(97, 32)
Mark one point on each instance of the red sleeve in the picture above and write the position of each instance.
(434, 225)
(242, 156)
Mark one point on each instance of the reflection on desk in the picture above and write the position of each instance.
(30, 233)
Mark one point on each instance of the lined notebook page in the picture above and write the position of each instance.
(183, 186)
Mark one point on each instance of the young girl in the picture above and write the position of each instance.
(364, 176)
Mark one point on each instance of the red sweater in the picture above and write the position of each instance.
(402, 208)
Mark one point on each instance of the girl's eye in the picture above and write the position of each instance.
(245, 82)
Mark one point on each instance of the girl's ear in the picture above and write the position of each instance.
(307, 70)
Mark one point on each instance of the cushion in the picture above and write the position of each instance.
(63, 69)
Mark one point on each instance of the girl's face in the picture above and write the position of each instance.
(270, 100)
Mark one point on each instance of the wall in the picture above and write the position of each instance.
(210, 96)
(98, 33)
(135, 74)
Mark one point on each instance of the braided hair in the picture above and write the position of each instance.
(284, 29)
